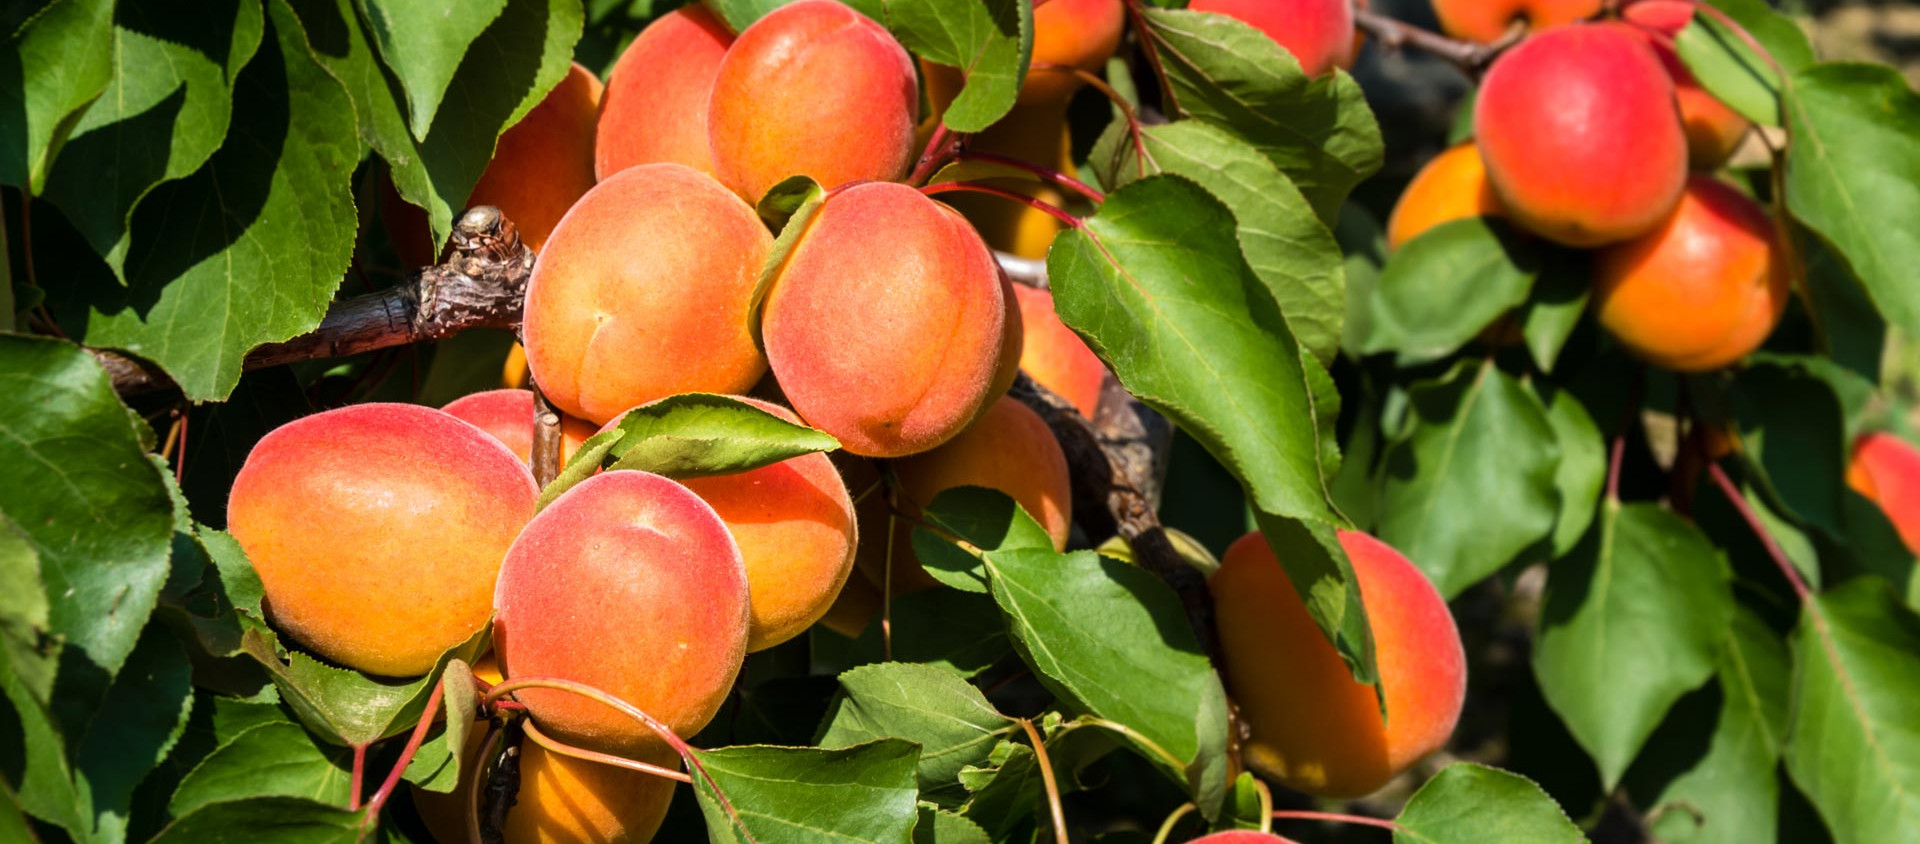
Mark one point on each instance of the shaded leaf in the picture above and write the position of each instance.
(1730, 70)
(56, 63)
(1442, 288)
(283, 820)
(945, 628)
(271, 760)
(347, 707)
(938, 826)
(1582, 470)
(987, 40)
(806, 795)
(1792, 434)
(423, 41)
(1473, 804)
(951, 720)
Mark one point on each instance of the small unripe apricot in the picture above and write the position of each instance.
(1073, 34)
(658, 92)
(886, 324)
(1581, 135)
(544, 163)
(643, 293)
(377, 530)
(1714, 130)
(1486, 21)
(817, 89)
(1318, 33)
(631, 584)
(1453, 186)
(1886, 470)
(507, 416)
(1699, 292)
(1056, 357)
(1314, 728)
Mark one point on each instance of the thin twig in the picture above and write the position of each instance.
(1046, 778)
(357, 779)
(969, 187)
(1774, 550)
(1046, 173)
(1334, 817)
(1471, 57)
(379, 799)
(552, 745)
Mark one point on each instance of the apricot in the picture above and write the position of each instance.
(814, 88)
(377, 530)
(544, 163)
(1486, 21)
(1079, 34)
(1453, 186)
(1702, 290)
(885, 325)
(1886, 470)
(1056, 357)
(631, 584)
(1713, 129)
(1581, 135)
(1318, 33)
(1010, 449)
(643, 293)
(1013, 341)
(657, 94)
(854, 609)
(1313, 728)
(507, 416)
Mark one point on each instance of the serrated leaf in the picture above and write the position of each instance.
(1730, 70)
(1442, 288)
(1226, 73)
(1792, 436)
(792, 203)
(696, 435)
(1632, 621)
(271, 760)
(784, 200)
(56, 63)
(1582, 470)
(283, 820)
(1472, 483)
(1006, 793)
(938, 826)
(348, 707)
(985, 520)
(989, 41)
(422, 42)
(1474, 804)
(944, 628)
(804, 795)
(951, 720)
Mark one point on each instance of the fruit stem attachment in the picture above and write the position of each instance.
(1334, 817)
(358, 781)
(1046, 777)
(379, 799)
(554, 746)
(1046, 173)
(1166, 826)
(941, 148)
(1760, 531)
(950, 187)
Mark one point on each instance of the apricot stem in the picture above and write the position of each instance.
(552, 745)
(379, 799)
(949, 187)
(1166, 826)
(479, 772)
(1261, 788)
(1046, 777)
(1046, 173)
(941, 148)
(1301, 815)
(1617, 452)
(1774, 550)
(359, 776)
(545, 459)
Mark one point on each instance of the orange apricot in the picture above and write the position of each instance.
(1317, 33)
(643, 292)
(1079, 34)
(1453, 186)
(1056, 357)
(507, 416)
(377, 530)
(1314, 728)
(817, 89)
(1699, 292)
(1713, 129)
(1581, 135)
(1886, 470)
(658, 92)
(1486, 21)
(544, 163)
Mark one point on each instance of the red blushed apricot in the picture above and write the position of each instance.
(1318, 33)
(1581, 135)
(817, 89)
(642, 293)
(1013, 343)
(507, 416)
(1886, 469)
(1072, 34)
(1699, 292)
(377, 530)
(1056, 357)
(1453, 186)
(657, 94)
(545, 162)
(1010, 449)
(1486, 21)
(1314, 728)
(1713, 129)
(886, 324)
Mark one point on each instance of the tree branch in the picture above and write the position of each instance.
(1469, 56)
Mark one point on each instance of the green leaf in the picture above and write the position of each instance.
(984, 520)
(27, 650)
(422, 42)
(1855, 745)
(740, 14)
(282, 820)
(163, 115)
(1633, 620)
(271, 760)
(804, 795)
(1245, 808)
(937, 826)
(1474, 481)
(951, 720)
(56, 63)
(1291, 251)
(1730, 70)
(1792, 437)
(1852, 167)
(1582, 470)
(249, 249)
(988, 40)
(1226, 73)
(1473, 804)
(944, 628)
(1554, 308)
(787, 209)
(347, 707)
(584, 464)
(695, 435)
(1442, 288)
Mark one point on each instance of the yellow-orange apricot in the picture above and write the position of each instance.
(1453, 186)
(1714, 130)
(544, 163)
(642, 293)
(1581, 135)
(817, 89)
(657, 94)
(377, 530)
(631, 584)
(885, 325)
(1314, 728)
(1318, 33)
(1486, 21)
(1071, 34)
(1886, 469)
(1056, 357)
(1699, 292)
(507, 416)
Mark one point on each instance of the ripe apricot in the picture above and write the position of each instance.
(1886, 469)
(1699, 292)
(631, 584)
(1318, 33)
(544, 163)
(1071, 34)
(1453, 186)
(885, 325)
(814, 88)
(1056, 357)
(643, 292)
(657, 94)
(1010, 449)
(1486, 21)
(1713, 129)
(507, 416)
(1581, 135)
(377, 530)
(1314, 728)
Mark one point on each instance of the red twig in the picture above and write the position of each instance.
(1469, 56)
(1774, 550)
(941, 148)
(1296, 815)
(1046, 173)
(359, 776)
(1618, 450)
(379, 799)
(949, 187)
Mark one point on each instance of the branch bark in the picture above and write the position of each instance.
(1469, 56)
